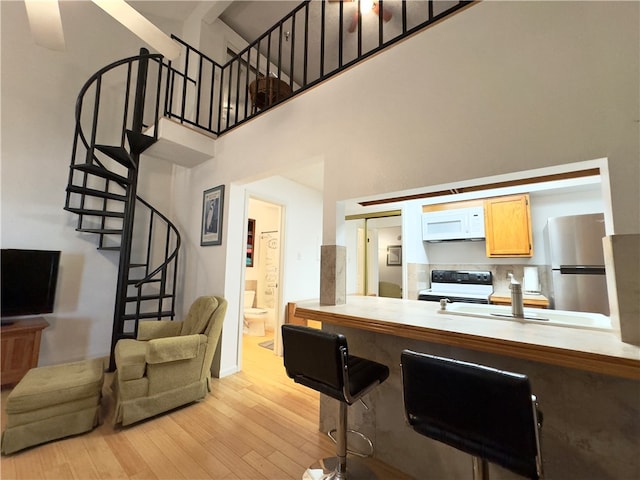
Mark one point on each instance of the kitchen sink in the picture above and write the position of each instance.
(561, 318)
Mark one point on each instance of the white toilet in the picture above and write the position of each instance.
(254, 318)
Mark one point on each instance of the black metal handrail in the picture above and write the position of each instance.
(216, 98)
(169, 264)
(181, 85)
(279, 64)
(97, 79)
(168, 257)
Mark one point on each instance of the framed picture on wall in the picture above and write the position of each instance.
(394, 255)
(212, 208)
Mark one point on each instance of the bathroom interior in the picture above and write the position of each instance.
(262, 271)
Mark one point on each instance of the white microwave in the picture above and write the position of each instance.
(457, 224)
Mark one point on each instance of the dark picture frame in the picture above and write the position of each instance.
(394, 255)
(212, 209)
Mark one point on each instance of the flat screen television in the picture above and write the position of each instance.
(29, 279)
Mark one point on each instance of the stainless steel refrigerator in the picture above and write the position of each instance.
(576, 258)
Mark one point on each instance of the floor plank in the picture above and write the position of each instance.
(257, 424)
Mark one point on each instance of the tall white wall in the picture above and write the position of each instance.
(500, 88)
(354, 241)
(459, 102)
(39, 90)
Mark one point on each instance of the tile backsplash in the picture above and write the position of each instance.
(419, 275)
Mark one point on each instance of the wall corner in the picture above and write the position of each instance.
(622, 261)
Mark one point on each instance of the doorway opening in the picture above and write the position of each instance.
(262, 279)
(378, 248)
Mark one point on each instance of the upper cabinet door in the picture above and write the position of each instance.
(508, 226)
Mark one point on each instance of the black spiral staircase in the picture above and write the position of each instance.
(117, 118)
(113, 110)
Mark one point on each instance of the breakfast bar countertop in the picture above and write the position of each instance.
(596, 351)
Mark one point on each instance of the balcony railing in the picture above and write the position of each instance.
(316, 40)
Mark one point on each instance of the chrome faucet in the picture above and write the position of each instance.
(443, 303)
(517, 303)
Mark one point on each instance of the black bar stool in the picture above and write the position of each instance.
(487, 413)
(321, 361)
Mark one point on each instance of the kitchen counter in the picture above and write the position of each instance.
(595, 351)
(587, 383)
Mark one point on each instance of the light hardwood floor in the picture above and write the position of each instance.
(256, 424)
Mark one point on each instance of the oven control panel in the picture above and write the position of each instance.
(469, 277)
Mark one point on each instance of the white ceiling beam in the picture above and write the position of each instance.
(215, 10)
(46, 23)
(140, 26)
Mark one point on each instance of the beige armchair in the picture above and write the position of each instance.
(169, 364)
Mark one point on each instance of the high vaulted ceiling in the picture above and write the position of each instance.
(248, 18)
(251, 19)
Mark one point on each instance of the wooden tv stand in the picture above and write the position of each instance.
(20, 348)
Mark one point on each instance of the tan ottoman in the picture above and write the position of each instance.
(53, 402)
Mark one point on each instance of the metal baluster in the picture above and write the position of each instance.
(306, 43)
(340, 34)
(157, 107)
(359, 29)
(292, 39)
(404, 16)
(237, 90)
(230, 67)
(199, 89)
(211, 94)
(221, 93)
(380, 23)
(322, 29)
(184, 85)
(246, 87)
(126, 106)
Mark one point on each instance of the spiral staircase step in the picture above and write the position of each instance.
(96, 193)
(145, 298)
(94, 213)
(139, 142)
(100, 172)
(119, 154)
(133, 316)
(101, 231)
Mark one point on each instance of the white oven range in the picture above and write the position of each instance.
(468, 286)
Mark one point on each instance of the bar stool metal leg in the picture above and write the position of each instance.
(335, 468)
(361, 436)
(342, 441)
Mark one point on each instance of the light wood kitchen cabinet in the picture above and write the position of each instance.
(508, 226)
